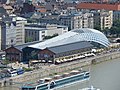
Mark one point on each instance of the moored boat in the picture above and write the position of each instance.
(53, 84)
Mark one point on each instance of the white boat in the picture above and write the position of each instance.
(59, 83)
(91, 88)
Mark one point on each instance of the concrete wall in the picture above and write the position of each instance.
(106, 57)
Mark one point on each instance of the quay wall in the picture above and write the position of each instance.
(59, 69)
(106, 57)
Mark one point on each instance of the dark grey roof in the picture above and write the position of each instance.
(20, 47)
(70, 47)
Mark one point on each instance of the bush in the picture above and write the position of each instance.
(55, 73)
(50, 74)
(27, 69)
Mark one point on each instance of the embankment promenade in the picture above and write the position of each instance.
(61, 68)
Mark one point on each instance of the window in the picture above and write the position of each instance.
(43, 31)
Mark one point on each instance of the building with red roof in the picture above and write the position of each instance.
(99, 6)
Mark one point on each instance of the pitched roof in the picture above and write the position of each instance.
(70, 47)
(20, 47)
(7, 7)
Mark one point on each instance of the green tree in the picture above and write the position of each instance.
(97, 27)
(28, 39)
(114, 30)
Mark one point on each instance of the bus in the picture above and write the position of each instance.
(12, 72)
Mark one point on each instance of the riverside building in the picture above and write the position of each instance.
(66, 47)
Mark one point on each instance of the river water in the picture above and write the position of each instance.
(105, 75)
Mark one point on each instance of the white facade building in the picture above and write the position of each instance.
(103, 19)
(106, 20)
(37, 32)
(11, 31)
(20, 33)
(88, 20)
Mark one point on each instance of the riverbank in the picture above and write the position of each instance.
(66, 67)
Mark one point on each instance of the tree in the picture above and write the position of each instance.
(28, 39)
(106, 31)
(97, 27)
(114, 30)
(116, 23)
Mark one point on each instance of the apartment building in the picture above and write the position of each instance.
(79, 20)
(20, 27)
(72, 21)
(104, 19)
(88, 20)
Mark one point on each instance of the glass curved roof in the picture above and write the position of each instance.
(76, 35)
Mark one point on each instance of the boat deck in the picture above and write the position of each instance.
(57, 83)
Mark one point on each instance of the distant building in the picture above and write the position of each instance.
(116, 15)
(12, 31)
(103, 19)
(28, 7)
(15, 31)
(66, 47)
(40, 8)
(106, 20)
(3, 11)
(59, 54)
(38, 32)
(8, 8)
(74, 21)
(99, 6)
(49, 19)
(20, 30)
(11, 2)
(2, 43)
(77, 41)
(88, 21)
(13, 54)
(8, 33)
(3, 1)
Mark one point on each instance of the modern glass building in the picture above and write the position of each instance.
(76, 35)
